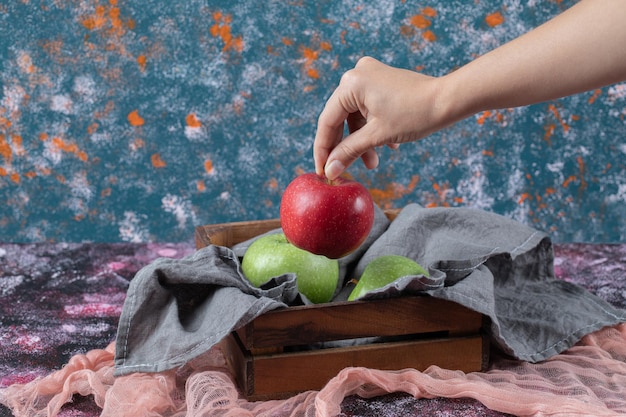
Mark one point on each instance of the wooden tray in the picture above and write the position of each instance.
(285, 351)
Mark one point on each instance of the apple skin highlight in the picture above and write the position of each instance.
(330, 218)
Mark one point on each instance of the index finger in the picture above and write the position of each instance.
(330, 126)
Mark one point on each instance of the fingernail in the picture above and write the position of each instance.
(334, 169)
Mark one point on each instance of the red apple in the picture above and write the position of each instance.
(324, 217)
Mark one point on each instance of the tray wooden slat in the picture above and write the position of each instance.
(263, 377)
(349, 320)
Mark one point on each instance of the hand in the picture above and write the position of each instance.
(389, 106)
(382, 106)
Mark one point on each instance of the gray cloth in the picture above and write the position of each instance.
(498, 267)
(177, 309)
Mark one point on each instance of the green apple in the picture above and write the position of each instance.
(384, 270)
(272, 255)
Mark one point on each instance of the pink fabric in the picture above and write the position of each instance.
(587, 380)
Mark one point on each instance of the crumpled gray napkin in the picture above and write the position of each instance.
(498, 267)
(177, 309)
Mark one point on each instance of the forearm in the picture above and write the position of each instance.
(581, 49)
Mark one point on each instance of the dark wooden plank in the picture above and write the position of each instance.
(348, 320)
(239, 363)
(280, 376)
(229, 234)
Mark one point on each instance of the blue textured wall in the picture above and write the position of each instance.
(137, 120)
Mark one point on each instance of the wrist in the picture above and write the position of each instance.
(455, 99)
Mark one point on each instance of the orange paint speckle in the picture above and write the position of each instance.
(156, 161)
(581, 170)
(5, 149)
(68, 147)
(200, 186)
(15, 177)
(92, 128)
(3, 172)
(483, 116)
(420, 21)
(107, 18)
(135, 119)
(208, 167)
(96, 20)
(494, 19)
(596, 93)
(429, 35)
(310, 56)
(221, 28)
(393, 191)
(272, 184)
(440, 199)
(556, 113)
(313, 73)
(82, 156)
(142, 61)
(192, 120)
(25, 63)
(549, 132)
(4, 122)
(568, 180)
(524, 197)
(429, 11)
(287, 41)
(496, 116)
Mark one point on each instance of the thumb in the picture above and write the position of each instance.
(356, 145)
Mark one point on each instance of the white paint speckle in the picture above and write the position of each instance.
(85, 87)
(619, 196)
(13, 97)
(62, 103)
(195, 133)
(179, 207)
(617, 92)
(131, 229)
